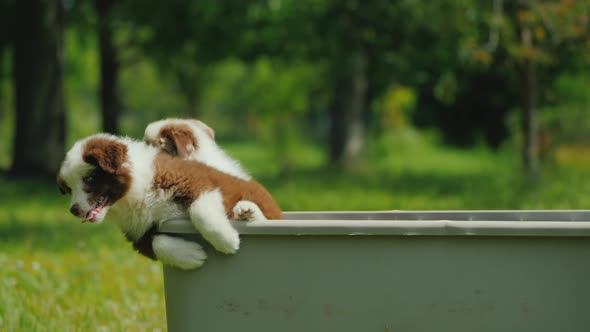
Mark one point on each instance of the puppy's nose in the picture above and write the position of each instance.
(75, 210)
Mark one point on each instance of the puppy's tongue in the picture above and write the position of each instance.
(92, 214)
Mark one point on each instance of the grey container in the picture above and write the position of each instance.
(391, 271)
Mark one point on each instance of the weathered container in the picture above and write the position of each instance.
(392, 271)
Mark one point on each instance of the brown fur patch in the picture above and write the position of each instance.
(109, 178)
(105, 153)
(63, 186)
(187, 179)
(177, 138)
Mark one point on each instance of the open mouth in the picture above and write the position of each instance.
(100, 204)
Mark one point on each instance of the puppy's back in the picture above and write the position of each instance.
(187, 179)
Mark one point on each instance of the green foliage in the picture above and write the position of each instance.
(149, 97)
(540, 31)
(395, 108)
(81, 84)
(567, 119)
(269, 100)
(268, 68)
(262, 90)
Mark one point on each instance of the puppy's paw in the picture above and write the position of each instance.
(193, 258)
(178, 252)
(247, 211)
(227, 242)
(243, 211)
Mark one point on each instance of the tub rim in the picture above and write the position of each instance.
(396, 222)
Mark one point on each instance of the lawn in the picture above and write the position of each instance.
(59, 275)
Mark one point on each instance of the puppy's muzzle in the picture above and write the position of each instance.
(75, 210)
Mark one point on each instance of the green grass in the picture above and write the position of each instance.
(59, 275)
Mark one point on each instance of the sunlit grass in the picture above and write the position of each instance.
(59, 275)
(86, 289)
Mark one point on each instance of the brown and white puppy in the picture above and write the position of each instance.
(140, 187)
(192, 139)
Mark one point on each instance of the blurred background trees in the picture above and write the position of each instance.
(346, 74)
(38, 74)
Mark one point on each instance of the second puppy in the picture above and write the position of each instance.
(193, 139)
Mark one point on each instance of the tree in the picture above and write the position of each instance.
(527, 69)
(6, 10)
(365, 46)
(349, 103)
(349, 79)
(183, 38)
(350, 39)
(545, 32)
(532, 36)
(38, 77)
(110, 98)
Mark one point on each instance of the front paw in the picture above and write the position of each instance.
(227, 242)
(178, 252)
(193, 258)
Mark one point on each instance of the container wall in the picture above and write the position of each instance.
(386, 283)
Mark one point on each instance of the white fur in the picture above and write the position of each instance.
(178, 252)
(213, 223)
(142, 205)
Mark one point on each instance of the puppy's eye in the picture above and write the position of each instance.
(88, 179)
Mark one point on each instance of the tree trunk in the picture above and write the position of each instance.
(529, 120)
(109, 68)
(529, 109)
(39, 96)
(347, 130)
(2, 103)
(6, 15)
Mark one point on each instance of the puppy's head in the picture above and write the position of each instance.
(96, 175)
(179, 137)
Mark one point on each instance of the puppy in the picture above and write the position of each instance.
(193, 139)
(140, 186)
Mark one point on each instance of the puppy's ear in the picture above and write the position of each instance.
(210, 132)
(178, 140)
(105, 153)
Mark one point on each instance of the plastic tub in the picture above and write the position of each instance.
(391, 271)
